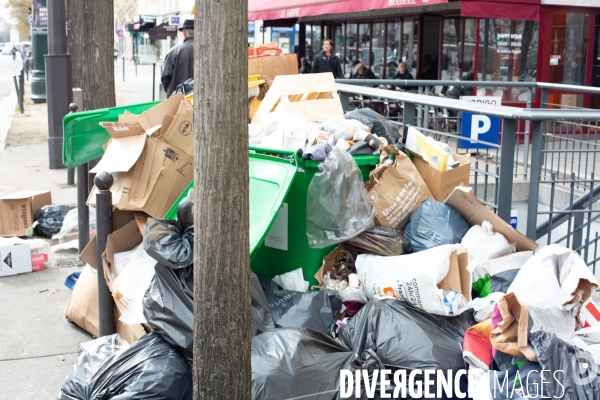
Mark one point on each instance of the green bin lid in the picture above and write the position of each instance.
(270, 181)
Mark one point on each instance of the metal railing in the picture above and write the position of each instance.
(492, 179)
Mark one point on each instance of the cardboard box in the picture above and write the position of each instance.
(475, 212)
(18, 210)
(15, 257)
(82, 308)
(310, 96)
(150, 172)
(441, 184)
(458, 277)
(270, 67)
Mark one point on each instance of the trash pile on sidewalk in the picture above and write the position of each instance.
(417, 273)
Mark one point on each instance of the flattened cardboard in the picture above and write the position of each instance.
(154, 116)
(18, 210)
(121, 154)
(120, 130)
(82, 308)
(441, 184)
(475, 212)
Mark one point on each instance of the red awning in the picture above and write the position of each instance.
(269, 9)
(521, 10)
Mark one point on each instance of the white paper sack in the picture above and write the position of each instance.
(346, 129)
(412, 278)
(546, 285)
(282, 131)
(132, 283)
(293, 280)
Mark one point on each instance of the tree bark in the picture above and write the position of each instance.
(98, 65)
(222, 338)
(75, 40)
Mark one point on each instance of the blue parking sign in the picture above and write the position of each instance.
(479, 127)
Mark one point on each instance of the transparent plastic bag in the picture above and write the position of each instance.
(337, 206)
(95, 353)
(382, 240)
(70, 226)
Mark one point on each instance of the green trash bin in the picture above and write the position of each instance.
(280, 245)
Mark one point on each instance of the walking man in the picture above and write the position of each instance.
(179, 62)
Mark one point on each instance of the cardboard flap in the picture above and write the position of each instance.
(23, 194)
(475, 212)
(167, 120)
(119, 130)
(125, 239)
(154, 116)
(181, 130)
(121, 154)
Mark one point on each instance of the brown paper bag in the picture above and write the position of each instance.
(396, 191)
(510, 336)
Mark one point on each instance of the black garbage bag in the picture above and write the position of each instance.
(49, 219)
(404, 337)
(170, 242)
(169, 307)
(579, 377)
(318, 310)
(378, 124)
(186, 87)
(434, 224)
(149, 369)
(297, 363)
(501, 281)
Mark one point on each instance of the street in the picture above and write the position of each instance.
(135, 88)
(8, 68)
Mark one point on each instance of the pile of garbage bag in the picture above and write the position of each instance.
(415, 275)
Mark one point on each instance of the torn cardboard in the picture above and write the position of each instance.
(313, 97)
(82, 308)
(475, 212)
(18, 210)
(441, 184)
(151, 179)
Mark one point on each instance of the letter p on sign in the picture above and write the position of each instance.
(479, 127)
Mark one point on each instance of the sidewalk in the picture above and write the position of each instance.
(38, 346)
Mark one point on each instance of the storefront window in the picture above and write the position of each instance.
(568, 48)
(378, 62)
(351, 42)
(595, 98)
(451, 48)
(338, 40)
(410, 31)
(393, 45)
(468, 50)
(364, 43)
(316, 40)
(511, 52)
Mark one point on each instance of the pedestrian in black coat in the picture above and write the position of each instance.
(179, 62)
(326, 61)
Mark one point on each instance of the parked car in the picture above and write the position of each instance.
(7, 49)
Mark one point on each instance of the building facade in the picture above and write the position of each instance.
(556, 41)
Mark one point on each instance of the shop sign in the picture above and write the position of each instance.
(579, 3)
(174, 20)
(479, 127)
(509, 43)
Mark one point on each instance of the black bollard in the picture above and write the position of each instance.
(106, 310)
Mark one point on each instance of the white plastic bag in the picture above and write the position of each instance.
(69, 232)
(483, 243)
(412, 278)
(132, 283)
(282, 131)
(337, 207)
(346, 292)
(553, 285)
(483, 306)
(346, 129)
(293, 280)
(479, 384)
(97, 352)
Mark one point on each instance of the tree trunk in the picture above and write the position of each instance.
(98, 65)
(75, 40)
(221, 246)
